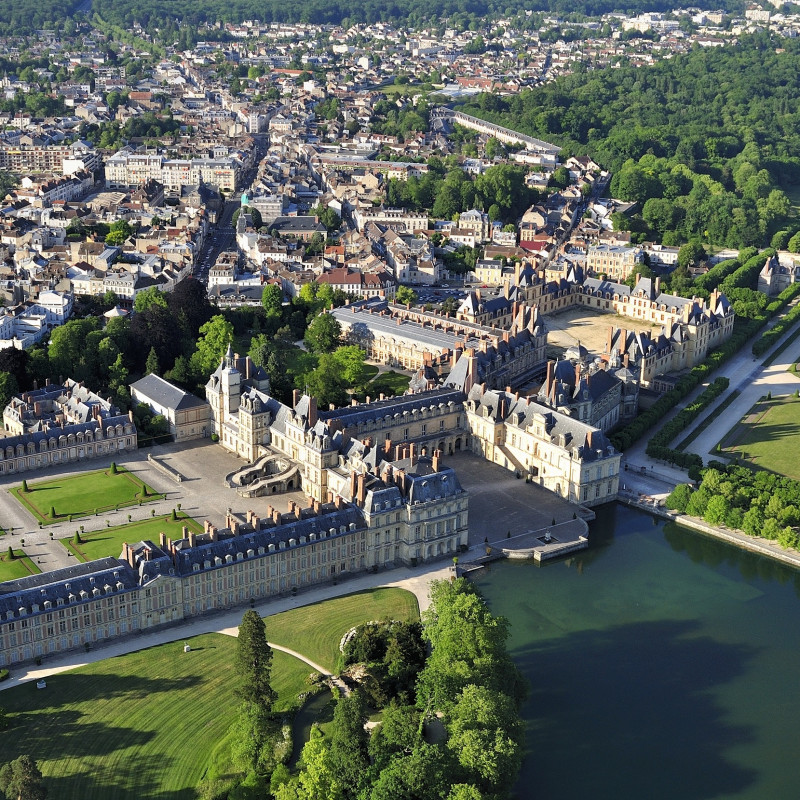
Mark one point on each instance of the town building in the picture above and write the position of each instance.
(188, 416)
(58, 424)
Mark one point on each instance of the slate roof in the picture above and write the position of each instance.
(361, 413)
(186, 557)
(165, 394)
(60, 584)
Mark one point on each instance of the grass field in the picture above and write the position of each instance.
(150, 724)
(768, 437)
(143, 725)
(390, 383)
(108, 541)
(20, 567)
(79, 495)
(316, 630)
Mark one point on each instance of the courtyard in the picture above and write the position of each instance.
(580, 325)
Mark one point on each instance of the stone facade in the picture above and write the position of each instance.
(58, 424)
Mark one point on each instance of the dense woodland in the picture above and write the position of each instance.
(450, 726)
(706, 143)
(20, 16)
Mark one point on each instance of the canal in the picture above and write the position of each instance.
(662, 664)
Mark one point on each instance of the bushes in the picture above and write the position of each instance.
(3, 674)
(658, 447)
(768, 338)
(758, 503)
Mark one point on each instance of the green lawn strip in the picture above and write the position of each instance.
(80, 495)
(108, 541)
(20, 567)
(316, 630)
(709, 419)
(789, 340)
(142, 725)
(770, 440)
(390, 383)
(370, 371)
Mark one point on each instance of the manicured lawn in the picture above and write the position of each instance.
(390, 383)
(108, 541)
(316, 630)
(143, 725)
(79, 495)
(20, 567)
(768, 436)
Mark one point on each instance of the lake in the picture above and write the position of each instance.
(662, 665)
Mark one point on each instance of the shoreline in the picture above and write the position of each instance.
(758, 546)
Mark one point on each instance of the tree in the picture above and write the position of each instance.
(215, 338)
(152, 296)
(350, 359)
(8, 388)
(21, 779)
(485, 734)
(119, 232)
(253, 662)
(323, 334)
(679, 497)
(406, 296)
(348, 754)
(690, 254)
(326, 382)
(560, 178)
(151, 365)
(272, 300)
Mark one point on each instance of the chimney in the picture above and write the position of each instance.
(192, 539)
(130, 415)
(361, 490)
(295, 397)
(162, 540)
(212, 532)
(436, 461)
(312, 410)
(638, 277)
(184, 532)
(206, 525)
(413, 453)
(387, 446)
(549, 379)
(658, 286)
(353, 483)
(398, 452)
(577, 375)
(330, 496)
(400, 480)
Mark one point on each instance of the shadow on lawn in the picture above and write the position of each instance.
(130, 777)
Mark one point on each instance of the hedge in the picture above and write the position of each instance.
(743, 329)
(658, 447)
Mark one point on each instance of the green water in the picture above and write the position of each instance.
(662, 666)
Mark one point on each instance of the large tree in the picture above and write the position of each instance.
(21, 779)
(323, 334)
(215, 337)
(349, 743)
(253, 662)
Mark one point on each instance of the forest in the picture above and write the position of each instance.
(705, 143)
(450, 726)
(19, 16)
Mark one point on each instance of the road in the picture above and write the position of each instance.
(222, 237)
(747, 375)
